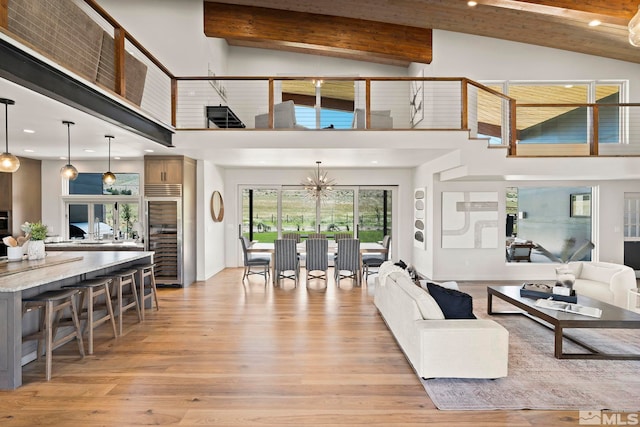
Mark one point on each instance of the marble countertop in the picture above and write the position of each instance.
(91, 261)
(93, 245)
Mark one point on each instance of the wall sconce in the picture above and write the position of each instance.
(108, 177)
(522, 215)
(634, 29)
(68, 171)
(8, 162)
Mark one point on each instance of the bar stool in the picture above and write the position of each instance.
(50, 305)
(91, 290)
(144, 271)
(121, 279)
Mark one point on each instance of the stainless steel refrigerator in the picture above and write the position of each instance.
(165, 238)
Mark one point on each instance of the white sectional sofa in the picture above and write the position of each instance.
(438, 347)
(604, 281)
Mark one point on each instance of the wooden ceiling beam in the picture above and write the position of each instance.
(613, 12)
(320, 34)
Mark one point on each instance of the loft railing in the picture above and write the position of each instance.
(587, 129)
(320, 102)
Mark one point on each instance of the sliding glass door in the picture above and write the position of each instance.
(363, 211)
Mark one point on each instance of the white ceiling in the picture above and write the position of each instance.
(45, 116)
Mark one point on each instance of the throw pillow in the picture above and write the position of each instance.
(454, 304)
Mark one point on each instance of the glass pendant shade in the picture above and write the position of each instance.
(634, 29)
(109, 177)
(8, 162)
(68, 171)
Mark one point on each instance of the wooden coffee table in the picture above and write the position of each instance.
(613, 317)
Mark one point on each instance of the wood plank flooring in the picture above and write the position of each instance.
(230, 354)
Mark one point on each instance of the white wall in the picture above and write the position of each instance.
(210, 245)
(173, 32)
(402, 178)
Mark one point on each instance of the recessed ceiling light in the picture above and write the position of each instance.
(568, 86)
(62, 158)
(148, 150)
(472, 3)
(28, 150)
(375, 162)
(28, 131)
(116, 158)
(594, 23)
(89, 150)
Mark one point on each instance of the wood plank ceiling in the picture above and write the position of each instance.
(363, 30)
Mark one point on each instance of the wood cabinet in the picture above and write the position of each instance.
(163, 170)
(21, 193)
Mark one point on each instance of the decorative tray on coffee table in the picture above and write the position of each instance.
(542, 290)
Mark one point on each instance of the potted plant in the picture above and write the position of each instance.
(36, 232)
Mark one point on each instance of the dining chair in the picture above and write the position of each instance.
(316, 236)
(317, 250)
(375, 260)
(251, 261)
(293, 236)
(347, 259)
(339, 236)
(286, 262)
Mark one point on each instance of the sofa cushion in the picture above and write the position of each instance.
(427, 305)
(449, 285)
(593, 289)
(454, 304)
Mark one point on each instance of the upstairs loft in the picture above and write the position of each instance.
(155, 103)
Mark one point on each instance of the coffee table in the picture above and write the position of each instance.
(613, 317)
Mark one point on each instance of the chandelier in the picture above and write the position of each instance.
(317, 184)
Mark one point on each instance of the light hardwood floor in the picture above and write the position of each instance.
(227, 354)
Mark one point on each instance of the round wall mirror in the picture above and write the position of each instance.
(217, 206)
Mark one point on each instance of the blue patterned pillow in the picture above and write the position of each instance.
(454, 304)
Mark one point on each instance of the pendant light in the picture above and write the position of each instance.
(68, 171)
(8, 162)
(108, 177)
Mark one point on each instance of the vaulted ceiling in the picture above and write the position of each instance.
(398, 32)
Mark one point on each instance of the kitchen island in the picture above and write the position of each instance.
(56, 270)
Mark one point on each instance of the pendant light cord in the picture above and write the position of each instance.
(6, 127)
(68, 143)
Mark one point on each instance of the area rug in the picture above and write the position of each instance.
(537, 380)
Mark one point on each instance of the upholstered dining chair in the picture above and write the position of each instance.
(338, 236)
(316, 236)
(375, 260)
(317, 260)
(261, 262)
(286, 262)
(293, 236)
(347, 259)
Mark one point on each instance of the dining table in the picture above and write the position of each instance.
(269, 247)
